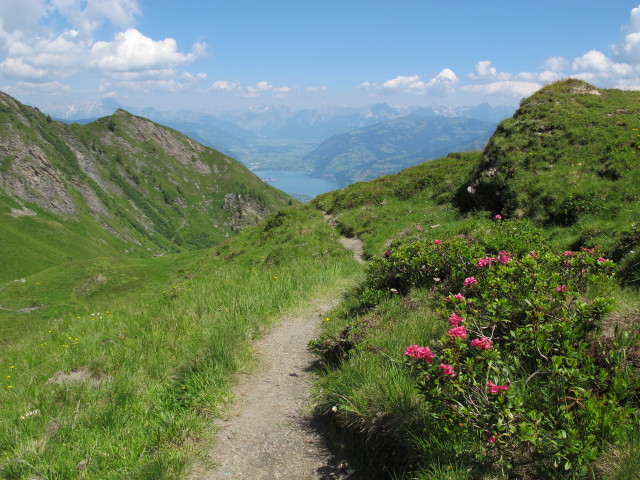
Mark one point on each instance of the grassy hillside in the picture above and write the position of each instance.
(472, 346)
(568, 158)
(491, 337)
(121, 378)
(120, 185)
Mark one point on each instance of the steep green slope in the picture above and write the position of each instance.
(486, 346)
(126, 385)
(384, 148)
(568, 160)
(121, 184)
(569, 157)
(405, 203)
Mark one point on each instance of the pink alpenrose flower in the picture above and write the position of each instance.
(458, 332)
(493, 388)
(470, 281)
(447, 370)
(459, 297)
(421, 353)
(485, 262)
(455, 320)
(437, 242)
(504, 257)
(482, 343)
(561, 288)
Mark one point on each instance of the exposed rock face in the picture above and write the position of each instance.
(243, 211)
(141, 183)
(33, 179)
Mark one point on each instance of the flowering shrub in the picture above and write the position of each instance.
(514, 371)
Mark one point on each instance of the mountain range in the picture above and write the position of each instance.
(273, 137)
(380, 149)
(121, 183)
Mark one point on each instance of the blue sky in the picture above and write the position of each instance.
(214, 55)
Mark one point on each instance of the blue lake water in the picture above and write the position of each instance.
(295, 183)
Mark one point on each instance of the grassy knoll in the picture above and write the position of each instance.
(536, 375)
(155, 367)
(553, 330)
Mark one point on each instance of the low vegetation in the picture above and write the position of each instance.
(484, 345)
(495, 332)
(129, 390)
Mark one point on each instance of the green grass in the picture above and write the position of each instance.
(162, 364)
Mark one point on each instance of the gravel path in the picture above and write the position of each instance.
(269, 435)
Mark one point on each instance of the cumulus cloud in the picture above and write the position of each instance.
(15, 68)
(411, 84)
(151, 81)
(132, 51)
(250, 91)
(440, 85)
(45, 40)
(629, 50)
(485, 72)
(508, 88)
(595, 66)
(555, 64)
(622, 68)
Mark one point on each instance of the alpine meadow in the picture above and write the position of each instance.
(492, 331)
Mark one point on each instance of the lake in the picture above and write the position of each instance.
(296, 183)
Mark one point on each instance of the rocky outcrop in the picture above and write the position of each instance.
(242, 210)
(139, 182)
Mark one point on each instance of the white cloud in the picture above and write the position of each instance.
(53, 87)
(412, 84)
(595, 66)
(629, 50)
(132, 51)
(485, 72)
(555, 64)
(546, 76)
(45, 40)
(508, 88)
(87, 16)
(15, 68)
(250, 91)
(440, 85)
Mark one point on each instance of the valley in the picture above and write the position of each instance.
(492, 332)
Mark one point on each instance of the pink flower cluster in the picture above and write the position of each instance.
(482, 343)
(437, 242)
(447, 370)
(455, 320)
(387, 254)
(504, 257)
(470, 281)
(601, 259)
(568, 253)
(498, 217)
(561, 288)
(458, 332)
(485, 262)
(421, 353)
(459, 297)
(493, 388)
(533, 254)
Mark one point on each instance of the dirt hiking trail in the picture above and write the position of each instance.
(269, 432)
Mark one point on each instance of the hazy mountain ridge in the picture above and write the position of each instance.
(120, 183)
(293, 132)
(388, 147)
